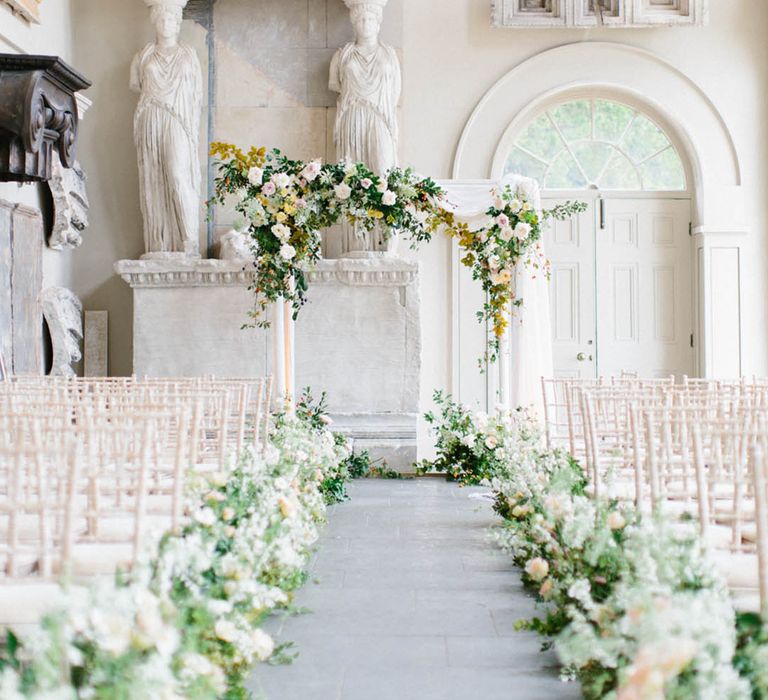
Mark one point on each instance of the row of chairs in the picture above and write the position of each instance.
(92, 471)
(695, 451)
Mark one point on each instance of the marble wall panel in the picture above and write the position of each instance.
(26, 285)
(6, 310)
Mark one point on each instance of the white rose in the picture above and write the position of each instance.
(205, 516)
(506, 234)
(263, 644)
(501, 277)
(281, 180)
(388, 198)
(537, 569)
(255, 176)
(382, 187)
(113, 631)
(343, 191)
(468, 441)
(616, 520)
(515, 205)
(522, 231)
(282, 232)
(491, 442)
(226, 631)
(311, 170)
(287, 251)
(365, 183)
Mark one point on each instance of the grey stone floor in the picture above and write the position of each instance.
(410, 601)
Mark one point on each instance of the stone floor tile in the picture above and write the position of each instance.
(411, 600)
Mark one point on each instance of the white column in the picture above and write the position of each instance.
(504, 363)
(278, 350)
(289, 353)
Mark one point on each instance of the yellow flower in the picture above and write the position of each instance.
(289, 209)
(281, 216)
(375, 214)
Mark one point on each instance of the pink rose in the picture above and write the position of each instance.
(269, 188)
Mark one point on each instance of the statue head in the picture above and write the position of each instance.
(366, 16)
(166, 16)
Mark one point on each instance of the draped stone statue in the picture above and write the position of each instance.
(366, 73)
(168, 77)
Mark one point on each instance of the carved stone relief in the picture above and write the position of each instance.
(63, 313)
(591, 13)
(70, 204)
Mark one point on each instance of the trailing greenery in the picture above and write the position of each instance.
(186, 621)
(630, 602)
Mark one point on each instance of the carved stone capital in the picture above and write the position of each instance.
(38, 111)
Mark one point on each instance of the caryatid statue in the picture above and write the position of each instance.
(366, 73)
(168, 76)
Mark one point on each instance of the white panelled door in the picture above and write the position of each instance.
(621, 290)
(570, 245)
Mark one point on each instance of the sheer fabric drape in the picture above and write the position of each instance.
(528, 344)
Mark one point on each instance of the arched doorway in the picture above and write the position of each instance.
(687, 116)
(621, 288)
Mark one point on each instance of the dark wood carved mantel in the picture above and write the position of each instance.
(38, 112)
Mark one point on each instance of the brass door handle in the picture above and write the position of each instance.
(582, 357)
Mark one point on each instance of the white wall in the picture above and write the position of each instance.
(451, 57)
(53, 36)
(449, 66)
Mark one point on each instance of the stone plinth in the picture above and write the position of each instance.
(358, 338)
(188, 317)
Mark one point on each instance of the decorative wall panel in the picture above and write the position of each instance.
(26, 285)
(21, 279)
(591, 13)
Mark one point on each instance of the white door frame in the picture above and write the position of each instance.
(697, 129)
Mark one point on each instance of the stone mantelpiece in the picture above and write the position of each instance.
(358, 337)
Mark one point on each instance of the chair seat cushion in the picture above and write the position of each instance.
(98, 559)
(24, 602)
(740, 570)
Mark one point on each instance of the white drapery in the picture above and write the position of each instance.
(526, 349)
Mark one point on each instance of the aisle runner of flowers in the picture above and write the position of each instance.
(630, 602)
(186, 622)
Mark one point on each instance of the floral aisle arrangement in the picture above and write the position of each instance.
(631, 604)
(283, 205)
(186, 623)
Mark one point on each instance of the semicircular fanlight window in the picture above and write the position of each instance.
(596, 144)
